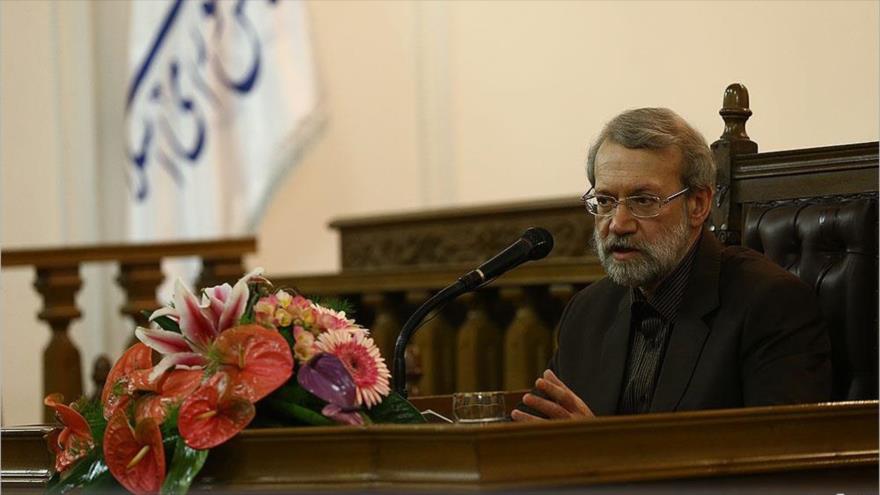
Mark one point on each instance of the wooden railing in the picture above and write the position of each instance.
(500, 337)
(140, 273)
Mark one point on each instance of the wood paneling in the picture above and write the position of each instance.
(783, 445)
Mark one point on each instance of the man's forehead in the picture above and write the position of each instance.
(611, 151)
(636, 169)
(629, 187)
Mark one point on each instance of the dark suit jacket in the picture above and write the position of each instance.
(748, 333)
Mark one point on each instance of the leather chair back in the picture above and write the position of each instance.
(831, 244)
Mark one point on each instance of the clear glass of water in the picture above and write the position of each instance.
(479, 407)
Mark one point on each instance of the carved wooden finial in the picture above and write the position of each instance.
(735, 111)
(724, 220)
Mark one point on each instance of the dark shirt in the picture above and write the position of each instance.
(652, 320)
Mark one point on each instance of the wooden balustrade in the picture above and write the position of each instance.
(527, 337)
(140, 274)
(498, 337)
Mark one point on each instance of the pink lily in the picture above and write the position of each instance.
(200, 323)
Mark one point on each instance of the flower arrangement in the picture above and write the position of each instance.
(209, 367)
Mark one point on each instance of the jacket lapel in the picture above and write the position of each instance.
(689, 332)
(615, 348)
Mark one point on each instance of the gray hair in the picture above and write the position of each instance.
(658, 128)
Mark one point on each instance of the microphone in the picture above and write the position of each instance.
(534, 244)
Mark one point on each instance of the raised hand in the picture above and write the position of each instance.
(562, 403)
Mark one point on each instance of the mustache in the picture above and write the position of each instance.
(612, 242)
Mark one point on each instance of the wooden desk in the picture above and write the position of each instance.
(831, 448)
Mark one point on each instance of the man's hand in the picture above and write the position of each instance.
(564, 404)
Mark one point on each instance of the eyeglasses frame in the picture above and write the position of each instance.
(617, 202)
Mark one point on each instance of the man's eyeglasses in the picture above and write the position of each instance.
(640, 205)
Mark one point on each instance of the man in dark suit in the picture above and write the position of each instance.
(681, 322)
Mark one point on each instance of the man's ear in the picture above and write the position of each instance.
(699, 206)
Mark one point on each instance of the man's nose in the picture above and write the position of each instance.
(622, 221)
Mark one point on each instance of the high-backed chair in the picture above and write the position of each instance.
(814, 212)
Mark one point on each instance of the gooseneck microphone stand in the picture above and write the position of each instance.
(535, 243)
(398, 373)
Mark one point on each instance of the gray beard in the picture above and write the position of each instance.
(654, 261)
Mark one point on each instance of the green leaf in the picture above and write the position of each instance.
(89, 472)
(287, 333)
(296, 412)
(255, 292)
(166, 323)
(186, 462)
(294, 393)
(395, 409)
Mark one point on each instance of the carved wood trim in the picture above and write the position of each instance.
(453, 237)
(808, 160)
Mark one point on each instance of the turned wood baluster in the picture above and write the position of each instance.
(560, 294)
(433, 351)
(386, 325)
(527, 341)
(216, 271)
(479, 347)
(62, 371)
(140, 282)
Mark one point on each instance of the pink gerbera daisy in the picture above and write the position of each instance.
(361, 358)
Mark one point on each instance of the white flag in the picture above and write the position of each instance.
(222, 100)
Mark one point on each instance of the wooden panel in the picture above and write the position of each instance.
(812, 185)
(814, 172)
(795, 442)
(454, 236)
(25, 459)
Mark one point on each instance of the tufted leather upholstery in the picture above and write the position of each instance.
(831, 244)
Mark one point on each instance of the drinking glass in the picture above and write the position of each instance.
(479, 407)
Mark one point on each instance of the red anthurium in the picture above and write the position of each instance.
(119, 385)
(135, 456)
(258, 360)
(72, 442)
(172, 388)
(212, 415)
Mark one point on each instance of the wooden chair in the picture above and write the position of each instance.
(814, 212)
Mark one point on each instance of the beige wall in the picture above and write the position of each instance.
(429, 104)
(48, 171)
(436, 104)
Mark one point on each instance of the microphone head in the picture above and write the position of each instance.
(541, 241)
